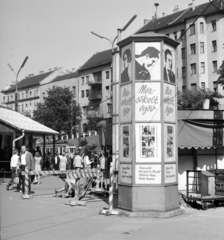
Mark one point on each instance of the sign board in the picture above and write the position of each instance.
(169, 100)
(148, 174)
(126, 103)
(170, 173)
(125, 173)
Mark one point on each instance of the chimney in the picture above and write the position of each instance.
(13, 83)
(41, 72)
(175, 9)
(156, 5)
(164, 14)
(73, 69)
(50, 69)
(31, 75)
(146, 21)
(191, 5)
(67, 72)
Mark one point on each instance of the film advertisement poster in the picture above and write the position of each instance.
(126, 103)
(170, 150)
(170, 173)
(147, 101)
(126, 58)
(169, 103)
(126, 143)
(148, 174)
(147, 61)
(169, 64)
(126, 173)
(148, 146)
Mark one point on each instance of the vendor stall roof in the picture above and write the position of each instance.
(18, 121)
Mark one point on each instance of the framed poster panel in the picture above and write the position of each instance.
(147, 61)
(170, 142)
(126, 143)
(147, 102)
(125, 172)
(126, 57)
(148, 142)
(170, 173)
(126, 103)
(169, 102)
(148, 174)
(169, 64)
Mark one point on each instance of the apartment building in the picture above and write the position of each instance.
(28, 91)
(95, 95)
(200, 31)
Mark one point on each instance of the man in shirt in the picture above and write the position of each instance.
(77, 166)
(27, 161)
(169, 76)
(13, 166)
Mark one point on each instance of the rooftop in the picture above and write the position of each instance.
(66, 76)
(34, 80)
(182, 15)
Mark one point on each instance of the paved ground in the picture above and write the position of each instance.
(44, 217)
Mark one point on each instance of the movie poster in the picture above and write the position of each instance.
(148, 147)
(126, 58)
(169, 143)
(169, 64)
(126, 143)
(147, 61)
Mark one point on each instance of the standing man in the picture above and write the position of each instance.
(169, 76)
(27, 161)
(77, 166)
(13, 166)
(144, 62)
(126, 74)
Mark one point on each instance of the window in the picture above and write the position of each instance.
(183, 88)
(201, 27)
(83, 80)
(97, 77)
(43, 95)
(193, 86)
(8, 99)
(107, 90)
(167, 34)
(74, 90)
(175, 35)
(214, 46)
(18, 96)
(18, 108)
(87, 79)
(82, 94)
(183, 72)
(182, 34)
(203, 85)
(214, 25)
(193, 68)
(26, 93)
(87, 93)
(30, 106)
(192, 29)
(202, 47)
(107, 74)
(22, 108)
(202, 67)
(22, 95)
(183, 53)
(193, 49)
(35, 92)
(3, 99)
(11, 97)
(26, 107)
(109, 108)
(84, 109)
(30, 93)
(215, 66)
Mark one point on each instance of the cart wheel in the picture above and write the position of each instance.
(204, 206)
(216, 202)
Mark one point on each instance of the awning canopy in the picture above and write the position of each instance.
(201, 133)
(19, 122)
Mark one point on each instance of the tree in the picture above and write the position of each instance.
(220, 72)
(58, 111)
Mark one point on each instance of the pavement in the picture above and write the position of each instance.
(45, 217)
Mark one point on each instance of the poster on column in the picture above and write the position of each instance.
(125, 173)
(126, 64)
(169, 64)
(125, 130)
(147, 61)
(148, 174)
(170, 173)
(126, 103)
(148, 142)
(147, 102)
(169, 142)
(169, 103)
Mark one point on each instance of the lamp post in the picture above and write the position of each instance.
(17, 74)
(115, 90)
(78, 119)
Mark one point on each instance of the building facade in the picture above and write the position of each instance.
(200, 32)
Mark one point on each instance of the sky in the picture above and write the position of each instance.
(56, 33)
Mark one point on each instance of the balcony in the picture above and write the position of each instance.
(95, 96)
(95, 82)
(94, 115)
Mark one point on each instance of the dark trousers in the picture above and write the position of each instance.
(22, 180)
(13, 175)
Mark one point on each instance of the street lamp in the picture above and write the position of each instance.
(17, 74)
(78, 119)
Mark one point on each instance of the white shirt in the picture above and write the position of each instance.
(23, 159)
(86, 160)
(14, 161)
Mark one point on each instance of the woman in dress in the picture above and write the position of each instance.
(63, 162)
(38, 162)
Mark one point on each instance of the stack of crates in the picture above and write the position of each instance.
(219, 182)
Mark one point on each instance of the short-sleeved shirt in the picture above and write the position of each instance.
(77, 162)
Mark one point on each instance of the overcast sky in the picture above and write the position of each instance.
(56, 33)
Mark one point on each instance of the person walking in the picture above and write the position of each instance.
(14, 164)
(102, 161)
(38, 163)
(78, 161)
(27, 161)
(63, 162)
(56, 161)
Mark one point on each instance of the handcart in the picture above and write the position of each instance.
(199, 189)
